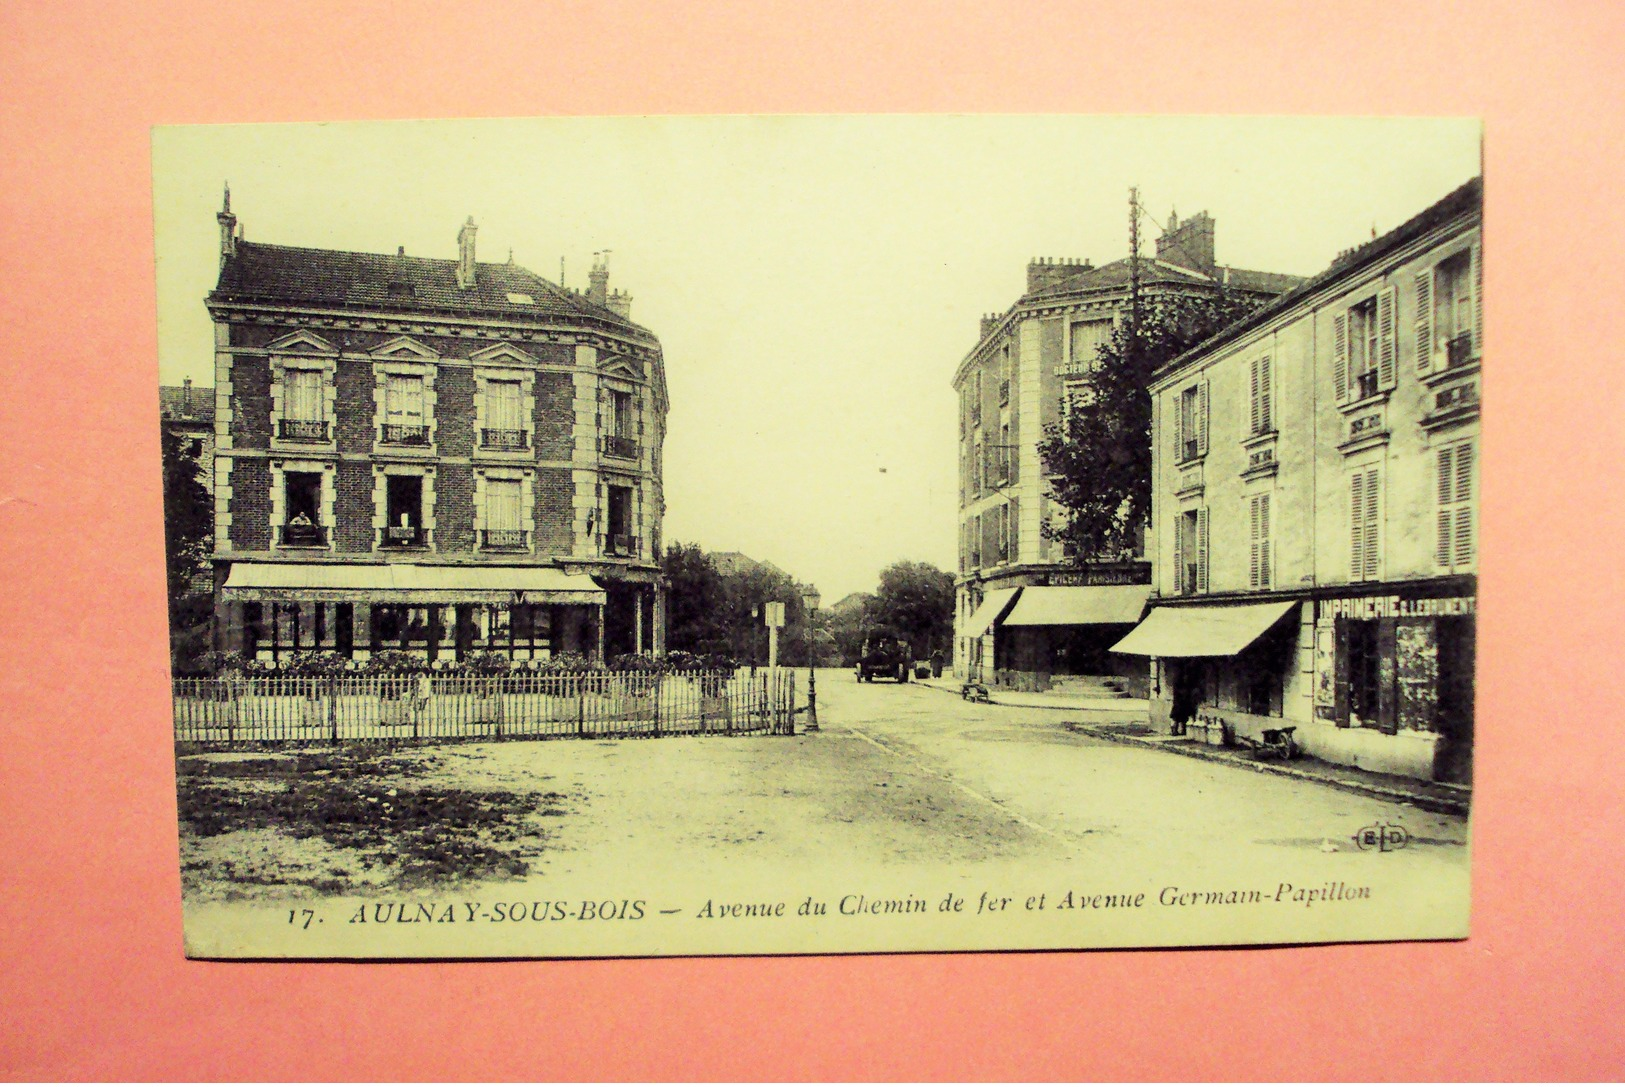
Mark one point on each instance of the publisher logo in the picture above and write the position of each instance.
(1383, 837)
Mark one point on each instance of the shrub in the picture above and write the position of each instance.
(315, 662)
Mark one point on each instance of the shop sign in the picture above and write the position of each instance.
(1395, 607)
(1096, 577)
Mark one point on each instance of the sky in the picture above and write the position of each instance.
(814, 281)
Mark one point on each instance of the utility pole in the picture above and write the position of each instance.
(1134, 258)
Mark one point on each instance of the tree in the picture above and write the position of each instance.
(711, 612)
(917, 601)
(695, 602)
(847, 627)
(188, 539)
(1099, 458)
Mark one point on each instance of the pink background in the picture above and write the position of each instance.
(93, 983)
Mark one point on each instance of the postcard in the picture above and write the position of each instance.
(647, 536)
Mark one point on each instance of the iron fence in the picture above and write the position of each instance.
(259, 710)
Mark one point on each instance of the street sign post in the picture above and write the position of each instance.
(773, 616)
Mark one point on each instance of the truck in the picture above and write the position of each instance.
(884, 655)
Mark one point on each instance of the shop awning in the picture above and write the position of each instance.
(993, 606)
(408, 583)
(1069, 606)
(1218, 630)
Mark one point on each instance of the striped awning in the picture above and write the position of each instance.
(408, 583)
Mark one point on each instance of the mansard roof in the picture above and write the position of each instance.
(290, 275)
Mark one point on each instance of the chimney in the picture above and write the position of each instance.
(1189, 244)
(465, 254)
(228, 228)
(186, 398)
(598, 278)
(1045, 272)
(621, 303)
(990, 321)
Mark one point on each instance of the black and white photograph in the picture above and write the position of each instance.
(730, 535)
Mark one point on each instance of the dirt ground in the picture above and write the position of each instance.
(353, 819)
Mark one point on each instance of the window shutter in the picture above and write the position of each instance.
(1373, 523)
(1446, 492)
(1201, 550)
(1201, 418)
(1266, 542)
(1179, 555)
(1255, 417)
(1478, 301)
(1252, 537)
(1464, 508)
(1340, 354)
(1266, 409)
(1357, 526)
(1424, 321)
(1385, 339)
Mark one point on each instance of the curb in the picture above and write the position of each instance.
(1438, 804)
(1095, 705)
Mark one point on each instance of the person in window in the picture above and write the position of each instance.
(300, 520)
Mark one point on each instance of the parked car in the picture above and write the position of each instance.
(884, 655)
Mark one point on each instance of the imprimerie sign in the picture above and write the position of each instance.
(1396, 607)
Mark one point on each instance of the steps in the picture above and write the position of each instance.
(1102, 687)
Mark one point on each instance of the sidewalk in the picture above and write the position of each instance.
(1131, 728)
(1133, 708)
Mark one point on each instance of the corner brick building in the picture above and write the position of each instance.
(437, 456)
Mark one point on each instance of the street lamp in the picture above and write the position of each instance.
(809, 601)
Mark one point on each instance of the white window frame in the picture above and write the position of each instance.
(527, 506)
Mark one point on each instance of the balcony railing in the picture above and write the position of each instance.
(504, 439)
(1459, 350)
(402, 434)
(1365, 384)
(1190, 577)
(302, 430)
(505, 539)
(622, 543)
(1192, 448)
(293, 535)
(617, 446)
(403, 536)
